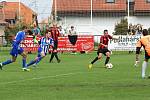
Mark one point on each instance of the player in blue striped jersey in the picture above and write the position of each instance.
(16, 49)
(44, 45)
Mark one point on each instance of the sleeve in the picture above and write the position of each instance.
(58, 33)
(110, 37)
(40, 41)
(101, 39)
(19, 38)
(51, 42)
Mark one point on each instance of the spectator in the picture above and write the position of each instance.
(72, 37)
(61, 31)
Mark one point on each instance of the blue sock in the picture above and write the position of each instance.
(39, 59)
(34, 61)
(31, 63)
(7, 62)
(24, 62)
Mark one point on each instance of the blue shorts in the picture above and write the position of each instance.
(40, 51)
(16, 50)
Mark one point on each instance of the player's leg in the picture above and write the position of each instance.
(14, 53)
(54, 52)
(56, 56)
(8, 62)
(40, 56)
(96, 58)
(107, 57)
(37, 59)
(24, 57)
(144, 65)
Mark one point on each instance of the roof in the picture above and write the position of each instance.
(10, 10)
(141, 5)
(85, 5)
(15, 5)
(8, 14)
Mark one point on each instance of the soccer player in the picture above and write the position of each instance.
(145, 43)
(44, 43)
(16, 49)
(55, 34)
(103, 48)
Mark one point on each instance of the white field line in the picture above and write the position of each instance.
(38, 78)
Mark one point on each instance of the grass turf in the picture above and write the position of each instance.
(71, 79)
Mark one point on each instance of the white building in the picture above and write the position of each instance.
(90, 17)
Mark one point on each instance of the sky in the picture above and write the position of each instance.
(41, 7)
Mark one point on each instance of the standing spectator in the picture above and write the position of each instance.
(36, 32)
(61, 31)
(72, 37)
(139, 29)
(55, 34)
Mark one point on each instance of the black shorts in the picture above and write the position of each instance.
(103, 51)
(146, 55)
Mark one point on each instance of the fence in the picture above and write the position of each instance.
(120, 43)
(5, 43)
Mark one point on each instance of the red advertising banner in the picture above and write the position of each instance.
(84, 43)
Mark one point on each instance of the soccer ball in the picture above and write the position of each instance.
(109, 65)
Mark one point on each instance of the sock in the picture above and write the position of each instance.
(55, 54)
(31, 63)
(52, 56)
(107, 60)
(144, 66)
(40, 58)
(24, 62)
(34, 61)
(94, 60)
(7, 62)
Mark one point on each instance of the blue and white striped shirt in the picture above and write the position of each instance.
(45, 44)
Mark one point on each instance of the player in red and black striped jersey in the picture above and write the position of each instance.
(103, 48)
(55, 34)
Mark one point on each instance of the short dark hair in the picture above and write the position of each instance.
(105, 31)
(145, 32)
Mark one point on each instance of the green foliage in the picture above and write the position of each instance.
(122, 27)
(11, 31)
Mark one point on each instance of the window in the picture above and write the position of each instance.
(110, 1)
(148, 1)
(131, 0)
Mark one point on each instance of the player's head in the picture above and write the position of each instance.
(24, 28)
(29, 32)
(145, 32)
(55, 25)
(105, 32)
(72, 27)
(47, 34)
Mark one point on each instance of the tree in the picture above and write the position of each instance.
(121, 28)
(10, 32)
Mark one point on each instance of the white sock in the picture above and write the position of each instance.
(144, 66)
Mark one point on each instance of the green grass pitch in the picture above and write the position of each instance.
(71, 79)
